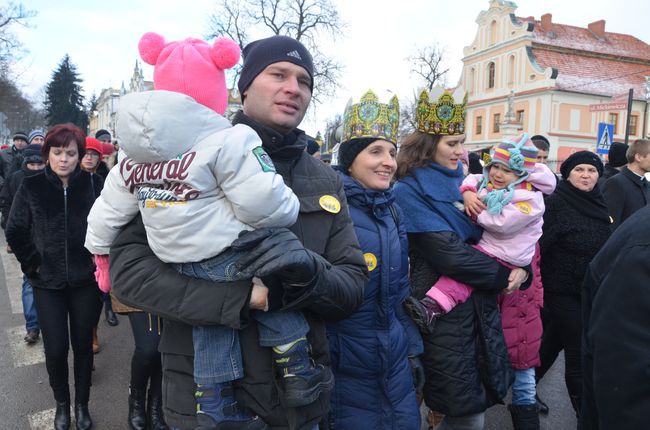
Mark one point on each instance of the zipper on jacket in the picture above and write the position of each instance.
(65, 230)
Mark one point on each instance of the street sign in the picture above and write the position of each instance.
(605, 135)
(603, 107)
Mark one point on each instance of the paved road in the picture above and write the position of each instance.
(26, 400)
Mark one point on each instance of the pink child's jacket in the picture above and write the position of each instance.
(509, 236)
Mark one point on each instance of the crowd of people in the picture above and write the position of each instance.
(266, 288)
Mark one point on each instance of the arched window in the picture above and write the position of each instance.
(493, 32)
(491, 73)
(511, 70)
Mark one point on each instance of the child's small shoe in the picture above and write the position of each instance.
(302, 379)
(217, 409)
(423, 312)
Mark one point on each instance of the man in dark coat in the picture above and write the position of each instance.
(317, 265)
(11, 158)
(32, 165)
(616, 160)
(628, 192)
(616, 339)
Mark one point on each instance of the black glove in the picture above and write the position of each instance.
(418, 374)
(275, 251)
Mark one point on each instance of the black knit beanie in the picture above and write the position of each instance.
(349, 150)
(101, 133)
(32, 153)
(312, 146)
(581, 157)
(21, 135)
(616, 157)
(261, 53)
(541, 142)
(475, 166)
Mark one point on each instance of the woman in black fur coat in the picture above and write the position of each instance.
(46, 230)
(576, 225)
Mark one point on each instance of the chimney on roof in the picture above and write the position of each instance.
(546, 22)
(598, 28)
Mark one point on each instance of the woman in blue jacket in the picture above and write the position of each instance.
(374, 351)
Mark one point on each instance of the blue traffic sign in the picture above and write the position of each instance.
(605, 136)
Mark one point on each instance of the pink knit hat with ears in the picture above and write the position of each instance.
(192, 67)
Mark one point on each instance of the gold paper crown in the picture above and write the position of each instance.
(369, 118)
(438, 112)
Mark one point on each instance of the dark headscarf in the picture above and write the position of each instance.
(590, 204)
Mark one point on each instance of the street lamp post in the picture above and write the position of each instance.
(646, 93)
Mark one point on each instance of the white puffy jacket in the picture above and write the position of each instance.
(197, 180)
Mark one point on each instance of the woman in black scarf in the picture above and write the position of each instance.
(576, 225)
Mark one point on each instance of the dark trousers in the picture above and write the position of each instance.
(562, 320)
(55, 308)
(146, 368)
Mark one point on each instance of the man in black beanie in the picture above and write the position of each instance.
(628, 191)
(315, 266)
(615, 161)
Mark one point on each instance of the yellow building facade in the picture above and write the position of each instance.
(562, 80)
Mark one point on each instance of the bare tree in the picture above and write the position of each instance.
(304, 20)
(428, 66)
(11, 14)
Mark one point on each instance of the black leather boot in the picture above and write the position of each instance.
(62, 416)
(576, 402)
(82, 416)
(137, 412)
(541, 405)
(111, 318)
(155, 412)
(524, 417)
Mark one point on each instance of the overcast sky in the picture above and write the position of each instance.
(101, 38)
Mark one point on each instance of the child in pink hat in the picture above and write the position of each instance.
(198, 182)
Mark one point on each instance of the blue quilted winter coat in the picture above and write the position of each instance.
(370, 350)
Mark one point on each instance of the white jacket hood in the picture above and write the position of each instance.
(158, 125)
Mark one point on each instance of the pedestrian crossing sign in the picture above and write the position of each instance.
(605, 136)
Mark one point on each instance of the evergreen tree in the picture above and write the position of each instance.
(64, 101)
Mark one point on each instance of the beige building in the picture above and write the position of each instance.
(555, 75)
(109, 101)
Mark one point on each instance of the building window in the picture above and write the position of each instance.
(470, 82)
(491, 72)
(520, 117)
(497, 123)
(479, 125)
(511, 70)
(493, 32)
(634, 120)
(574, 120)
(613, 119)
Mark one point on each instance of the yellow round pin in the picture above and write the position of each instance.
(524, 208)
(371, 261)
(330, 204)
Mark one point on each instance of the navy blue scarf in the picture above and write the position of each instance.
(427, 196)
(374, 201)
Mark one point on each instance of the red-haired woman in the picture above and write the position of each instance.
(46, 230)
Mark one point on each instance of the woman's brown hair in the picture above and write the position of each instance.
(61, 135)
(417, 150)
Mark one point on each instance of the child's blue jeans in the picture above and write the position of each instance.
(217, 351)
(524, 387)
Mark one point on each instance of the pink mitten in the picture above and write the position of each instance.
(101, 273)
